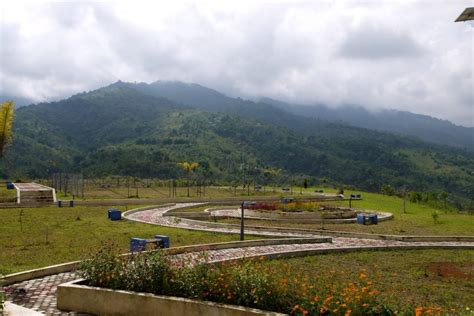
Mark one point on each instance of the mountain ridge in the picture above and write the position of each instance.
(118, 130)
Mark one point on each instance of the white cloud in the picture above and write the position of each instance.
(407, 55)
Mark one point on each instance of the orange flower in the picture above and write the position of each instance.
(419, 311)
(348, 312)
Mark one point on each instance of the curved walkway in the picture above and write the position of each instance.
(40, 294)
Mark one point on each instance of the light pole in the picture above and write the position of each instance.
(242, 221)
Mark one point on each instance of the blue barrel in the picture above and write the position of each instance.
(114, 214)
(10, 185)
(361, 219)
(60, 203)
(165, 240)
(373, 219)
(137, 244)
(71, 203)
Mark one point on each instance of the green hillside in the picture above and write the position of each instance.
(119, 130)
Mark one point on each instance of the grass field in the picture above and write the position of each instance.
(7, 195)
(406, 279)
(51, 235)
(37, 237)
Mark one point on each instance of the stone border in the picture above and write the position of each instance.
(145, 208)
(252, 214)
(38, 273)
(207, 213)
(74, 296)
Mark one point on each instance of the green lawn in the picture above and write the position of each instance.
(406, 279)
(7, 195)
(52, 235)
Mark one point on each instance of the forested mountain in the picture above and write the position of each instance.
(125, 130)
(424, 127)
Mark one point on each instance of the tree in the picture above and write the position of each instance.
(387, 189)
(444, 196)
(188, 168)
(272, 173)
(7, 115)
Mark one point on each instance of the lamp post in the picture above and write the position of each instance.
(242, 221)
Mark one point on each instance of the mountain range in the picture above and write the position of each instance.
(144, 130)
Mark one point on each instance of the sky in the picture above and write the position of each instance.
(405, 55)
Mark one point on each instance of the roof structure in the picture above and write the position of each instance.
(466, 15)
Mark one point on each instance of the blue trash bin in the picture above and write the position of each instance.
(10, 185)
(114, 214)
(164, 239)
(137, 244)
(60, 203)
(71, 203)
(361, 219)
(373, 219)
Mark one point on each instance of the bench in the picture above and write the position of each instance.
(140, 244)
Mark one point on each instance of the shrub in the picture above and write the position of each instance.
(299, 206)
(250, 283)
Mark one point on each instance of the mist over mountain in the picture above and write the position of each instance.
(18, 101)
(424, 127)
(405, 123)
(135, 130)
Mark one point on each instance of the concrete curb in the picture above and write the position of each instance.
(17, 310)
(73, 296)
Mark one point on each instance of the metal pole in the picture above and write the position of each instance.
(242, 222)
(404, 199)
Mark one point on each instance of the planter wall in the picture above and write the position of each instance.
(74, 296)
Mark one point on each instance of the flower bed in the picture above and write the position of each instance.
(247, 283)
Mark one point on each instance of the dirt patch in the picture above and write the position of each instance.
(451, 270)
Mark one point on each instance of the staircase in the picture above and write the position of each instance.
(33, 194)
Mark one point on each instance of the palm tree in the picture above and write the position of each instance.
(188, 168)
(7, 114)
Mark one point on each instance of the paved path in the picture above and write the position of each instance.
(40, 294)
(155, 216)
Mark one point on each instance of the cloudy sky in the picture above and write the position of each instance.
(406, 55)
